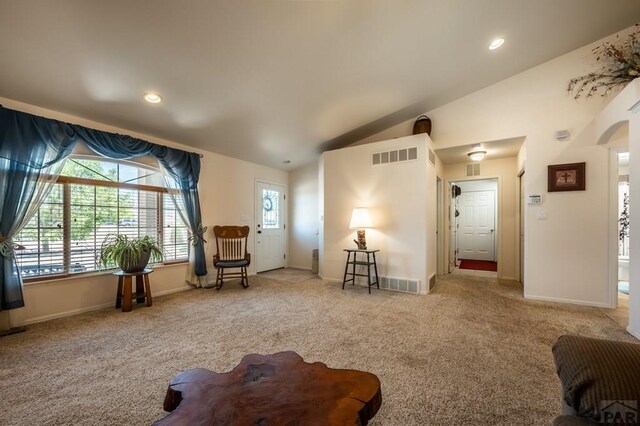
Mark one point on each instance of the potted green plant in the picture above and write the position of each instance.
(129, 254)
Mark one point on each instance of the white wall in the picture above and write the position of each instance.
(399, 204)
(303, 212)
(504, 169)
(634, 240)
(535, 104)
(431, 213)
(227, 196)
(607, 125)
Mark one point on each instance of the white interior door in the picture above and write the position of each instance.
(270, 227)
(477, 225)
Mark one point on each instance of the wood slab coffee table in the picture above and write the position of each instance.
(279, 389)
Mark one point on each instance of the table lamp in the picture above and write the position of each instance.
(360, 219)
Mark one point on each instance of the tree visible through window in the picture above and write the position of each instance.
(94, 198)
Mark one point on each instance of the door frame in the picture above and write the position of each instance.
(285, 216)
(521, 218)
(613, 228)
(498, 241)
(441, 259)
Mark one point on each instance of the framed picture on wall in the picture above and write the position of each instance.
(566, 177)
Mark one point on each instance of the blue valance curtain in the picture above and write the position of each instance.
(30, 144)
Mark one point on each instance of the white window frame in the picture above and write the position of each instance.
(66, 181)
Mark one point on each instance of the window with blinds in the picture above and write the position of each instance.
(175, 235)
(91, 200)
(41, 248)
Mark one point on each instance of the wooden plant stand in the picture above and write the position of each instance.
(279, 389)
(125, 295)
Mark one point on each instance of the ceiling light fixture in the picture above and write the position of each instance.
(152, 98)
(496, 43)
(477, 153)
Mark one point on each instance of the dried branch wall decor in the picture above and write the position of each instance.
(620, 65)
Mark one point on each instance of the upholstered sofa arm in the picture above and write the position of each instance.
(596, 373)
(573, 421)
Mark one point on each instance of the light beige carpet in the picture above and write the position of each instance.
(472, 352)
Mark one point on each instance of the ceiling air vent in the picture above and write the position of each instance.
(413, 153)
(473, 169)
(395, 156)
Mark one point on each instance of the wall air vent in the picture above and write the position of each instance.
(395, 156)
(432, 158)
(473, 169)
(400, 284)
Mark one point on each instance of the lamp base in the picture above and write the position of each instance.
(361, 242)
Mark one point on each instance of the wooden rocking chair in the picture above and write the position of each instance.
(231, 253)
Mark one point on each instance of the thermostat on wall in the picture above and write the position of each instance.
(535, 199)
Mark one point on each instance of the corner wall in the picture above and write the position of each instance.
(399, 202)
(227, 196)
(304, 217)
(566, 255)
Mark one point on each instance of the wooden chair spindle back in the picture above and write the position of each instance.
(231, 242)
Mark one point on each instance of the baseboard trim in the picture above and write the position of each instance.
(569, 301)
(332, 280)
(633, 333)
(303, 268)
(12, 330)
(95, 307)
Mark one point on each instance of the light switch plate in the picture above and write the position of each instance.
(542, 215)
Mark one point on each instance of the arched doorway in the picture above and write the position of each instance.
(616, 140)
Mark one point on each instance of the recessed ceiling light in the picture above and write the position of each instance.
(496, 43)
(152, 98)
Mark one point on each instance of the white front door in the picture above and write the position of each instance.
(270, 227)
(477, 225)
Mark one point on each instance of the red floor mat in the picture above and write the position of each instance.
(478, 265)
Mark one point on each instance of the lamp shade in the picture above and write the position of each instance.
(360, 218)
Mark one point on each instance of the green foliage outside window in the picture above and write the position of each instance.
(84, 217)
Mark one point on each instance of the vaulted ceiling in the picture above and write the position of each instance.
(269, 80)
